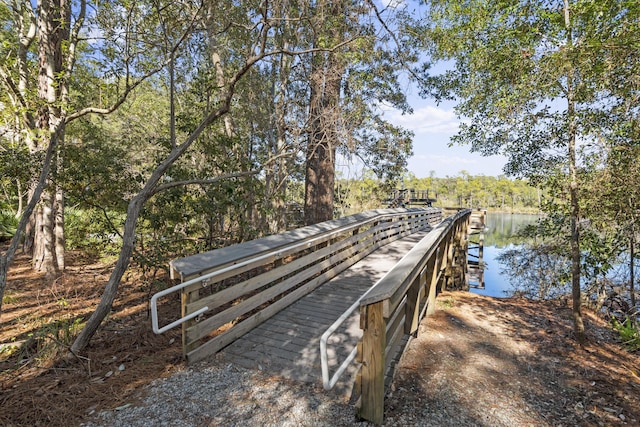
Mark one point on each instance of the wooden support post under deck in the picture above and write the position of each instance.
(374, 342)
(448, 262)
(412, 308)
(433, 269)
(464, 231)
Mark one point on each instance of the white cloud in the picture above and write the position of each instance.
(390, 3)
(428, 119)
(433, 127)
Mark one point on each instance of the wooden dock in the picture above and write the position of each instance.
(267, 303)
(288, 343)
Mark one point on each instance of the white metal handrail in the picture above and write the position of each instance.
(329, 383)
(206, 277)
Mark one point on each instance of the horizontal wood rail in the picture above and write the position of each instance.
(392, 310)
(245, 284)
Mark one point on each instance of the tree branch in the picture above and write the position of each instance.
(395, 39)
(11, 85)
(131, 87)
(215, 180)
(74, 37)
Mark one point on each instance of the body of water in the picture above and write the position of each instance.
(499, 234)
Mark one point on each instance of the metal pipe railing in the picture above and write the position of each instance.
(329, 383)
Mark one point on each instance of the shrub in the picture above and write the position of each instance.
(628, 330)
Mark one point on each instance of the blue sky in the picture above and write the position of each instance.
(433, 126)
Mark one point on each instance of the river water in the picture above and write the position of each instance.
(500, 233)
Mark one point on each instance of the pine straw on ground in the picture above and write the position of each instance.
(524, 349)
(514, 362)
(40, 384)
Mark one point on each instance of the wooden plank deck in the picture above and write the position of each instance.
(288, 344)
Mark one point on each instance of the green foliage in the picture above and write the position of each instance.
(628, 330)
(446, 303)
(8, 224)
(97, 172)
(16, 169)
(94, 231)
(388, 147)
(9, 298)
(16, 162)
(516, 71)
(538, 270)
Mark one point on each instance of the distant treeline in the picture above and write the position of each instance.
(463, 190)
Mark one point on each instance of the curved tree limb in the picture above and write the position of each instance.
(215, 180)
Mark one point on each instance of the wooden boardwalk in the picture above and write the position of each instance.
(287, 344)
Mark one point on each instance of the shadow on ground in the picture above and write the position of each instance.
(484, 361)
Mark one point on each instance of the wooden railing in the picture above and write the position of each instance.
(245, 284)
(410, 196)
(392, 310)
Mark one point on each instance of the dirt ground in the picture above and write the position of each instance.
(472, 344)
(485, 361)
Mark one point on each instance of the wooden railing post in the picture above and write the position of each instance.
(374, 341)
(186, 298)
(464, 233)
(460, 256)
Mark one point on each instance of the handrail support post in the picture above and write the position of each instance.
(374, 341)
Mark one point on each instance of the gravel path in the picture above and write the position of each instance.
(229, 396)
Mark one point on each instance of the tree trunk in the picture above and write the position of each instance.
(5, 260)
(44, 255)
(632, 276)
(573, 194)
(53, 31)
(319, 183)
(575, 253)
(315, 139)
(59, 235)
(111, 289)
(277, 172)
(30, 230)
(326, 81)
(212, 21)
